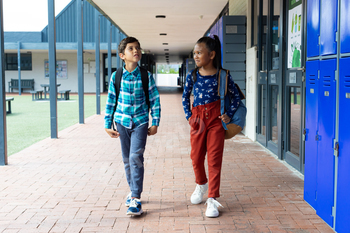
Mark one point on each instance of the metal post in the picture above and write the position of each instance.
(3, 136)
(19, 68)
(109, 39)
(97, 62)
(80, 60)
(52, 68)
(117, 52)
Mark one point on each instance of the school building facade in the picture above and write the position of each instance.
(290, 58)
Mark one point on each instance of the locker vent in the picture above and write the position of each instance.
(312, 79)
(347, 81)
(326, 81)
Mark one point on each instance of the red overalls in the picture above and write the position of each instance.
(207, 136)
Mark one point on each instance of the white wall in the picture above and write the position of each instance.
(167, 79)
(71, 83)
(251, 94)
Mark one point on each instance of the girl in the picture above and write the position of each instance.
(207, 132)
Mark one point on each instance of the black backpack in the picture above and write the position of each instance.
(118, 78)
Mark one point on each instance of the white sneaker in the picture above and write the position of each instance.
(212, 208)
(197, 195)
(128, 200)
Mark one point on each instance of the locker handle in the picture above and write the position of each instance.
(336, 149)
(302, 69)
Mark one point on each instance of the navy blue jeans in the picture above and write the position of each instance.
(133, 144)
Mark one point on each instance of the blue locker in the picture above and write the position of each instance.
(313, 27)
(345, 27)
(328, 27)
(326, 131)
(311, 122)
(342, 223)
(214, 30)
(220, 32)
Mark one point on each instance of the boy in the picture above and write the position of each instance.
(132, 116)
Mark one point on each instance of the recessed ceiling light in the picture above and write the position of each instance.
(162, 34)
(165, 43)
(160, 16)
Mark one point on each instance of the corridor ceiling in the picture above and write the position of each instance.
(186, 21)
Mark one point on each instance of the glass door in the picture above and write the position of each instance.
(294, 112)
(269, 77)
(105, 70)
(262, 6)
(274, 132)
(293, 150)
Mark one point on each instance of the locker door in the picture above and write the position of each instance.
(311, 121)
(313, 27)
(343, 201)
(345, 27)
(328, 27)
(326, 131)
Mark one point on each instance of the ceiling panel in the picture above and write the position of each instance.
(186, 21)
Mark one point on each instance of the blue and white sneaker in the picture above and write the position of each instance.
(135, 207)
(128, 200)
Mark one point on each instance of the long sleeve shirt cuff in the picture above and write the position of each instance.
(155, 122)
(108, 125)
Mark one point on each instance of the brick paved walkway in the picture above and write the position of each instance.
(76, 184)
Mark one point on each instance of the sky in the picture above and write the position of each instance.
(28, 15)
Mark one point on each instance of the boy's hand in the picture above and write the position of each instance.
(225, 118)
(152, 130)
(112, 133)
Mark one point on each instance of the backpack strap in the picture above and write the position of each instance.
(118, 78)
(144, 78)
(222, 90)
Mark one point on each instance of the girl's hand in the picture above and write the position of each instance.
(152, 130)
(225, 118)
(112, 133)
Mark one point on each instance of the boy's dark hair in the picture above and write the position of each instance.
(213, 45)
(124, 42)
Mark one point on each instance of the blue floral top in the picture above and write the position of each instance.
(205, 91)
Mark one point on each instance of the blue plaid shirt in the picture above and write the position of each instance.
(132, 106)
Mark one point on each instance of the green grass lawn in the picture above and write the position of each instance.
(29, 121)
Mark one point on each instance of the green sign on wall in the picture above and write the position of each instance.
(294, 33)
(294, 3)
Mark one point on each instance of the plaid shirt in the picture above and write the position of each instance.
(132, 101)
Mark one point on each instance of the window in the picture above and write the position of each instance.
(11, 61)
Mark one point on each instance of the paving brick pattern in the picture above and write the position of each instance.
(77, 184)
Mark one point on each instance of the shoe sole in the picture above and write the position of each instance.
(132, 213)
(212, 216)
(196, 202)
